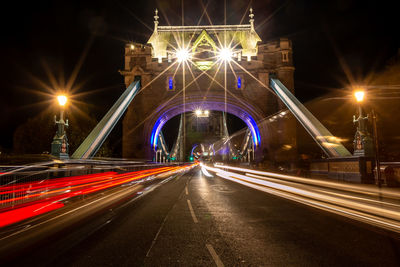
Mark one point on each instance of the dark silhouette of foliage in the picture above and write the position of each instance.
(36, 134)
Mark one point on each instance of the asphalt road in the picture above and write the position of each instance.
(195, 220)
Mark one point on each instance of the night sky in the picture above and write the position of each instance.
(40, 37)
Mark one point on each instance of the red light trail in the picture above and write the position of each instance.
(39, 197)
(16, 215)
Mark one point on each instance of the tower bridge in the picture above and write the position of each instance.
(183, 70)
(239, 86)
(145, 213)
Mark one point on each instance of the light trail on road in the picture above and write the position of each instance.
(46, 195)
(359, 202)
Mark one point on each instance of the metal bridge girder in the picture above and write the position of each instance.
(322, 136)
(98, 135)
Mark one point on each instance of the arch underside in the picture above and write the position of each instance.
(165, 112)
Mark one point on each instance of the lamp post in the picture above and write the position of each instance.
(363, 143)
(376, 143)
(362, 140)
(60, 146)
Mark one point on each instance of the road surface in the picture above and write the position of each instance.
(194, 220)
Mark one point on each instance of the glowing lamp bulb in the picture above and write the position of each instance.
(206, 112)
(225, 54)
(359, 95)
(182, 55)
(198, 112)
(62, 100)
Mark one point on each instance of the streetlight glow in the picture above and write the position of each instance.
(202, 113)
(225, 54)
(62, 100)
(59, 146)
(182, 55)
(359, 95)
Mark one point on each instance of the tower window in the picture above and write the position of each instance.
(170, 83)
(285, 56)
(239, 82)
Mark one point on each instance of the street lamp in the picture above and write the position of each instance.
(60, 146)
(363, 143)
(62, 100)
(362, 140)
(201, 113)
(359, 95)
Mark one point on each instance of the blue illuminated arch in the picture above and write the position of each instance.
(193, 148)
(210, 105)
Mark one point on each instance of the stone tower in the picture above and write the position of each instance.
(201, 79)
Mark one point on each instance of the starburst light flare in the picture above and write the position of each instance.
(182, 55)
(225, 54)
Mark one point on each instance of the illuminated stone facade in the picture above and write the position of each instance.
(202, 77)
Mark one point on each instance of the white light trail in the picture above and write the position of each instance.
(205, 172)
(319, 194)
(359, 188)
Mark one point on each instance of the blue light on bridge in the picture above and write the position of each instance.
(193, 148)
(156, 130)
(254, 130)
(165, 117)
(239, 82)
(170, 83)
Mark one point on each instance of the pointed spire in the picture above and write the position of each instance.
(156, 20)
(251, 15)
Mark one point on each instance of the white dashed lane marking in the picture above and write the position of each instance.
(214, 255)
(192, 212)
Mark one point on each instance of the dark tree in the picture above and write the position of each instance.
(36, 134)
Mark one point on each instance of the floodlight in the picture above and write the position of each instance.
(182, 55)
(225, 54)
